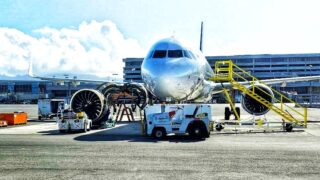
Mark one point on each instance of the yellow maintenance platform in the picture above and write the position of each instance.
(228, 72)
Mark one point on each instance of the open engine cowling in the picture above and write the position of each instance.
(130, 93)
(92, 102)
(96, 103)
(254, 107)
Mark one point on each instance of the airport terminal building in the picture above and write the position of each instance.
(28, 91)
(265, 66)
(262, 66)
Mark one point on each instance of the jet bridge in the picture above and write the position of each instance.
(262, 96)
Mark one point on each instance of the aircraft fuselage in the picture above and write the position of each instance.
(172, 71)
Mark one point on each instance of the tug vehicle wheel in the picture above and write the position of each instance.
(219, 127)
(238, 111)
(289, 127)
(159, 133)
(196, 132)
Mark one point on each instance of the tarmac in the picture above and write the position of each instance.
(39, 151)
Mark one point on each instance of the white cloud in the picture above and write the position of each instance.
(95, 48)
(273, 42)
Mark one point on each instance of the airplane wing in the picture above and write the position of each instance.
(282, 81)
(66, 79)
(287, 80)
(59, 79)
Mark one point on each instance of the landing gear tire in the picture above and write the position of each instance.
(207, 134)
(159, 133)
(238, 111)
(227, 113)
(289, 127)
(219, 127)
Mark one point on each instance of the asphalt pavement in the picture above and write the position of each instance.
(102, 155)
(39, 151)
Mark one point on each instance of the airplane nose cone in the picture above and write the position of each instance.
(170, 78)
(172, 87)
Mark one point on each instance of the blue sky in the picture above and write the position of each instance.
(231, 26)
(226, 21)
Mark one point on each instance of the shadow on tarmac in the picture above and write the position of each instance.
(57, 133)
(136, 138)
(100, 136)
(131, 132)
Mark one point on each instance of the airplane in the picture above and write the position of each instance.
(170, 72)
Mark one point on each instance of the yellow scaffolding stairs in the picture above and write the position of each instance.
(227, 71)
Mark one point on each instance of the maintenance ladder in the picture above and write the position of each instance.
(227, 71)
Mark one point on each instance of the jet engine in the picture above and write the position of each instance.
(130, 93)
(254, 107)
(96, 103)
(92, 102)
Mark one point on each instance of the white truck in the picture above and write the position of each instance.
(71, 121)
(194, 119)
(48, 108)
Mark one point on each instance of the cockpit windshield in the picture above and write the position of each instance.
(187, 54)
(175, 53)
(159, 54)
(192, 55)
(171, 54)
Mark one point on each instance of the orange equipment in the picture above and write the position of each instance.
(14, 118)
(3, 123)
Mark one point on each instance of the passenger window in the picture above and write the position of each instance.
(175, 53)
(159, 54)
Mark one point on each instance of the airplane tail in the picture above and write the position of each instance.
(201, 36)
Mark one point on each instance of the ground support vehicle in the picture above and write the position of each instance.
(193, 119)
(49, 108)
(71, 121)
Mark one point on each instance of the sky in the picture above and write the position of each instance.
(93, 36)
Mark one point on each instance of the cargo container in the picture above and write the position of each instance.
(14, 118)
(48, 108)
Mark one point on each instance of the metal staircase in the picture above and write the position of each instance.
(227, 71)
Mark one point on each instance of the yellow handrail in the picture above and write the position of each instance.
(273, 98)
(224, 71)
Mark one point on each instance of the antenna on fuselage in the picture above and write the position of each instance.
(173, 34)
(201, 36)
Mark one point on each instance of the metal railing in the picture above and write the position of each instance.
(227, 71)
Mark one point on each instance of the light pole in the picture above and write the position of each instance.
(310, 87)
(114, 76)
(310, 66)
